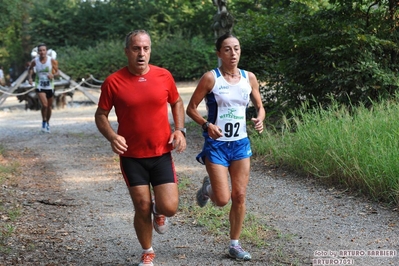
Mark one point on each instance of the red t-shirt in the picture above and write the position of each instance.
(141, 107)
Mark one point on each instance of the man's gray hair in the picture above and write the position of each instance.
(134, 33)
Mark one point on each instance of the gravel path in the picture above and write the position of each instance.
(76, 209)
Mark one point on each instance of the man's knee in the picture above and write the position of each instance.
(142, 206)
(168, 208)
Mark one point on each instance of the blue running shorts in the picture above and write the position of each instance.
(224, 152)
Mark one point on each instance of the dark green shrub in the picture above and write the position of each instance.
(186, 59)
(301, 54)
(99, 61)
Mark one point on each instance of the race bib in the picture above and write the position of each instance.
(232, 122)
(44, 82)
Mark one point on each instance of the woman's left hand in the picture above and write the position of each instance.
(258, 124)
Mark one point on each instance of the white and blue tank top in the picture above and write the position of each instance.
(227, 103)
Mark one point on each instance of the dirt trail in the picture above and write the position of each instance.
(76, 209)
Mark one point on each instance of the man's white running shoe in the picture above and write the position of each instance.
(160, 222)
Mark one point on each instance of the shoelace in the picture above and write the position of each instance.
(148, 257)
(160, 219)
(238, 248)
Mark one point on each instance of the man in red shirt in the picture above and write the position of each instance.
(140, 94)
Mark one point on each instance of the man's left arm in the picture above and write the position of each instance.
(178, 136)
(54, 69)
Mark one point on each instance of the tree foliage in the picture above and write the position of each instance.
(299, 49)
(70, 22)
(345, 50)
(13, 44)
(86, 24)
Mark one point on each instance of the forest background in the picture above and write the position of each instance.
(302, 49)
(332, 55)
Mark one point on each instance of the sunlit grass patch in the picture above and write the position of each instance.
(215, 220)
(354, 147)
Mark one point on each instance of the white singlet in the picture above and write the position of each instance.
(42, 71)
(227, 104)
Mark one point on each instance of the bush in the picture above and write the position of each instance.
(100, 60)
(301, 54)
(186, 59)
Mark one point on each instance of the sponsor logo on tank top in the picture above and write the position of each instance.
(231, 114)
(223, 90)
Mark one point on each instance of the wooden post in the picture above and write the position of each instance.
(12, 89)
(223, 21)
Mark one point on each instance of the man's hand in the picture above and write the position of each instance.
(119, 145)
(178, 141)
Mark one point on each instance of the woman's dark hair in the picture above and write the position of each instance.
(221, 39)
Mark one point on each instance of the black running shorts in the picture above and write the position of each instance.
(144, 171)
(49, 93)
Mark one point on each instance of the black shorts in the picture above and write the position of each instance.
(144, 171)
(49, 93)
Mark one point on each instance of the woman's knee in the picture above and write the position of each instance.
(238, 197)
(221, 200)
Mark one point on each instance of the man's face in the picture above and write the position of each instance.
(138, 53)
(42, 51)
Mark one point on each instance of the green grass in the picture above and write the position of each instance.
(193, 128)
(356, 149)
(6, 169)
(216, 219)
(6, 230)
(9, 210)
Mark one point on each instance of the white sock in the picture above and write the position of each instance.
(233, 242)
(150, 250)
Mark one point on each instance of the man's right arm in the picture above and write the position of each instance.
(118, 143)
(30, 71)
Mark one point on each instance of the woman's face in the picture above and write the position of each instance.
(230, 52)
